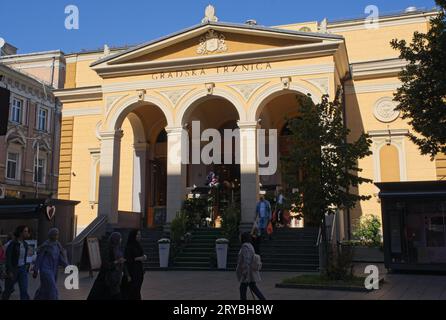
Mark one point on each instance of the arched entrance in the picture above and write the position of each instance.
(133, 165)
(213, 171)
(273, 114)
(143, 176)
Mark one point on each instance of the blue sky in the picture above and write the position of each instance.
(40, 25)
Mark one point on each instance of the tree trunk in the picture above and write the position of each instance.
(323, 248)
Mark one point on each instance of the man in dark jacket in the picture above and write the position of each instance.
(16, 265)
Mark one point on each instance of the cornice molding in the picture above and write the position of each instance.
(378, 68)
(27, 58)
(385, 133)
(367, 88)
(399, 20)
(269, 55)
(45, 64)
(79, 94)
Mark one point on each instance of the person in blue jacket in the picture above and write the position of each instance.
(263, 215)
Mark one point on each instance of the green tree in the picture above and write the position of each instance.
(422, 97)
(321, 165)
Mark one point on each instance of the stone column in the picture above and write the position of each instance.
(249, 177)
(109, 175)
(139, 177)
(177, 145)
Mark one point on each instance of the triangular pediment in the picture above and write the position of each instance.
(215, 43)
(211, 42)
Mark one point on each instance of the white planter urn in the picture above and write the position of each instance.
(164, 252)
(221, 248)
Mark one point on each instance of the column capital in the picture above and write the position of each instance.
(174, 130)
(111, 135)
(248, 125)
(141, 146)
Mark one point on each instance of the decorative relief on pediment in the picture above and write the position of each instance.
(248, 89)
(212, 42)
(175, 95)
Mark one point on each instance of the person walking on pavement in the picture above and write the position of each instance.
(263, 215)
(134, 255)
(50, 255)
(248, 268)
(108, 283)
(16, 264)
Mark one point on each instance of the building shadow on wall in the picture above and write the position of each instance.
(355, 124)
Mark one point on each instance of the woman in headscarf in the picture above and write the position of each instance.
(134, 255)
(50, 255)
(247, 273)
(108, 283)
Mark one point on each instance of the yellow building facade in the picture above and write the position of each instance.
(126, 110)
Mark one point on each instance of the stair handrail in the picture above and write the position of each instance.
(319, 236)
(97, 228)
(332, 227)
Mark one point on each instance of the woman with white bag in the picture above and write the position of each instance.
(248, 268)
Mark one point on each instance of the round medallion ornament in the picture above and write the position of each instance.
(385, 111)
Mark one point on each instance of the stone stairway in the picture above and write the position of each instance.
(292, 250)
(289, 250)
(199, 253)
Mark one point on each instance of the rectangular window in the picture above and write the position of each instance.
(39, 171)
(12, 165)
(16, 111)
(42, 119)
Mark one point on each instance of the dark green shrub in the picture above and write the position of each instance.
(178, 227)
(340, 264)
(368, 231)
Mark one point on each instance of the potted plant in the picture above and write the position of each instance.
(164, 252)
(221, 247)
(367, 240)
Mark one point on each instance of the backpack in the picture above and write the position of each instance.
(256, 264)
